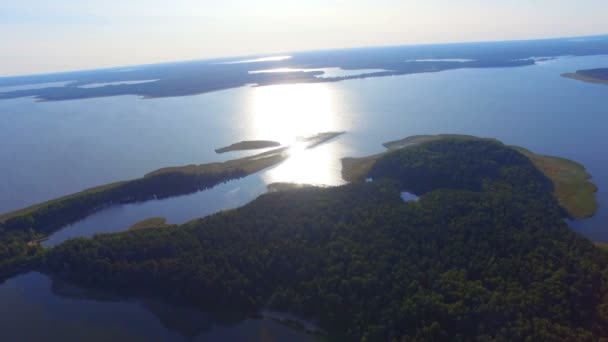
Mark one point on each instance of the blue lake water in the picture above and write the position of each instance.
(177, 209)
(37, 308)
(55, 148)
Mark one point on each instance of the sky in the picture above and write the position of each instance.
(40, 36)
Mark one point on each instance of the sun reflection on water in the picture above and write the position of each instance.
(287, 112)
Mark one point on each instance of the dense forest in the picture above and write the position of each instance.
(483, 254)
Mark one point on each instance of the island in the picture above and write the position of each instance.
(152, 223)
(483, 254)
(248, 145)
(599, 76)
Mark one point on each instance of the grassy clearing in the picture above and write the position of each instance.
(357, 169)
(573, 190)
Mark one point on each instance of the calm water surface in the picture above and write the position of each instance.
(37, 308)
(55, 148)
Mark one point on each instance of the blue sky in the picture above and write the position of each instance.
(45, 36)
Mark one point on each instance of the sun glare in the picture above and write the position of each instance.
(287, 112)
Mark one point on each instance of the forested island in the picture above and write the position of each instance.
(152, 223)
(599, 75)
(483, 254)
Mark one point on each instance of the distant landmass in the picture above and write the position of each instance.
(196, 77)
(599, 75)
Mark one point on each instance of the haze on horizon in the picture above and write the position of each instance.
(44, 36)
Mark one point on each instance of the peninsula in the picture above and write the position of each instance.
(320, 138)
(248, 145)
(571, 185)
(21, 230)
(599, 76)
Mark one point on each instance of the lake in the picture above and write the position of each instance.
(55, 148)
(36, 308)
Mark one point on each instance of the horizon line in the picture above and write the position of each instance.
(227, 58)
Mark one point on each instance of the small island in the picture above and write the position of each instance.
(320, 138)
(598, 76)
(151, 223)
(248, 145)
